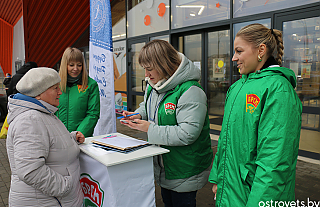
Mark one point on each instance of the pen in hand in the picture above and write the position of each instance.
(127, 115)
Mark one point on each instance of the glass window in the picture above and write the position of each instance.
(136, 100)
(302, 55)
(236, 28)
(118, 12)
(148, 16)
(246, 7)
(186, 13)
(192, 48)
(138, 73)
(218, 72)
(119, 66)
(163, 37)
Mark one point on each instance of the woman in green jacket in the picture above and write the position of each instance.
(174, 115)
(79, 107)
(259, 141)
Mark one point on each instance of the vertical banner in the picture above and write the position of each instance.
(101, 63)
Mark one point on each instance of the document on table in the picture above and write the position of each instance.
(120, 142)
(95, 150)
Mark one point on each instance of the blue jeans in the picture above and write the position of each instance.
(174, 199)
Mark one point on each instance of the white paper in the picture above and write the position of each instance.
(95, 150)
(121, 142)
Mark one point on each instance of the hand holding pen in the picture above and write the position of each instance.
(133, 120)
(129, 116)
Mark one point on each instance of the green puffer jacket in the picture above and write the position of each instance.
(259, 141)
(80, 110)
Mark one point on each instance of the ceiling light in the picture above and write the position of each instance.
(193, 6)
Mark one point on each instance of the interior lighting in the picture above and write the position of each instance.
(193, 6)
(294, 35)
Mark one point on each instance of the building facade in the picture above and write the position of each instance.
(204, 31)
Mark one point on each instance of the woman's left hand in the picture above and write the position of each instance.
(139, 124)
(80, 137)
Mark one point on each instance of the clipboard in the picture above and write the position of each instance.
(119, 143)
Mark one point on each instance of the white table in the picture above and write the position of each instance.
(116, 179)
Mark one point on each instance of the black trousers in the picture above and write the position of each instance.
(174, 199)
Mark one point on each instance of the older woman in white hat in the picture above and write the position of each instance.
(43, 154)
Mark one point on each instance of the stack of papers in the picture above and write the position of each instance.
(120, 143)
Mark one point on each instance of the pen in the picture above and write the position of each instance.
(127, 115)
(109, 136)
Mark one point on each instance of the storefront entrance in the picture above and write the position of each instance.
(301, 36)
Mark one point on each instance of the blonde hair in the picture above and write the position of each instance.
(258, 34)
(72, 55)
(161, 56)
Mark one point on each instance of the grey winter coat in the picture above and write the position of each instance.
(43, 156)
(191, 112)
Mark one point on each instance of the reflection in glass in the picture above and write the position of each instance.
(218, 71)
(138, 74)
(301, 54)
(163, 37)
(119, 65)
(118, 12)
(148, 16)
(245, 7)
(136, 100)
(192, 48)
(310, 120)
(236, 28)
(187, 13)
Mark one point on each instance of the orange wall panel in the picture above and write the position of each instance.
(6, 46)
(51, 26)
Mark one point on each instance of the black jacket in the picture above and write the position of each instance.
(20, 73)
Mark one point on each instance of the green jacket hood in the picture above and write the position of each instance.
(186, 71)
(272, 71)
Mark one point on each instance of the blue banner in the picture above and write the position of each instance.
(101, 24)
(101, 63)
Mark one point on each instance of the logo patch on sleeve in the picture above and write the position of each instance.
(252, 102)
(169, 108)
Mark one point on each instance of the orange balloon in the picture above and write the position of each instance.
(147, 20)
(161, 9)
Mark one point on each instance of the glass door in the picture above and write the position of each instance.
(218, 76)
(190, 46)
(302, 54)
(136, 83)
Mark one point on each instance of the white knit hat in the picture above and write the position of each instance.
(37, 81)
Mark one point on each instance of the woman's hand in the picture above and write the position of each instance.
(80, 137)
(138, 124)
(214, 190)
(126, 113)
